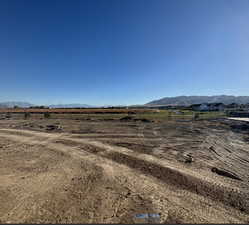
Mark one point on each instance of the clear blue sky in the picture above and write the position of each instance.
(122, 51)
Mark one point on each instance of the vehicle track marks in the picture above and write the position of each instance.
(146, 164)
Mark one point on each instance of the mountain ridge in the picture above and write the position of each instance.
(12, 104)
(73, 105)
(195, 99)
(178, 100)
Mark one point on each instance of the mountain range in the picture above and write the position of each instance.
(12, 104)
(179, 100)
(189, 100)
(27, 105)
(71, 106)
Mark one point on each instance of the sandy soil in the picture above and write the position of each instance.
(109, 171)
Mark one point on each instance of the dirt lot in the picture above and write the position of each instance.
(83, 171)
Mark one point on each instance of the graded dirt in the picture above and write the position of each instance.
(109, 171)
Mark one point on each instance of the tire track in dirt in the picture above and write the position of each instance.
(158, 150)
(19, 211)
(229, 150)
(187, 175)
(125, 158)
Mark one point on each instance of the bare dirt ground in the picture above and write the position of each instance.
(108, 171)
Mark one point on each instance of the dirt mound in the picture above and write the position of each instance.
(143, 120)
(185, 181)
(129, 118)
(126, 118)
(53, 127)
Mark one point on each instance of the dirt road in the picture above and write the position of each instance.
(240, 119)
(93, 177)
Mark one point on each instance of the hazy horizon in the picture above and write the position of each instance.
(105, 105)
(118, 52)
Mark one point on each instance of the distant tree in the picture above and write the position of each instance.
(47, 115)
(27, 115)
(39, 107)
(16, 107)
(43, 107)
(196, 116)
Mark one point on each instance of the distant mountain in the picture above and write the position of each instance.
(109, 106)
(2, 105)
(189, 100)
(12, 104)
(76, 105)
(27, 105)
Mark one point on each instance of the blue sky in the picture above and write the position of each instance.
(122, 51)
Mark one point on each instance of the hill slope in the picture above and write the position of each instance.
(76, 105)
(12, 104)
(189, 100)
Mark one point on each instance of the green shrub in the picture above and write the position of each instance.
(196, 116)
(47, 115)
(27, 115)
